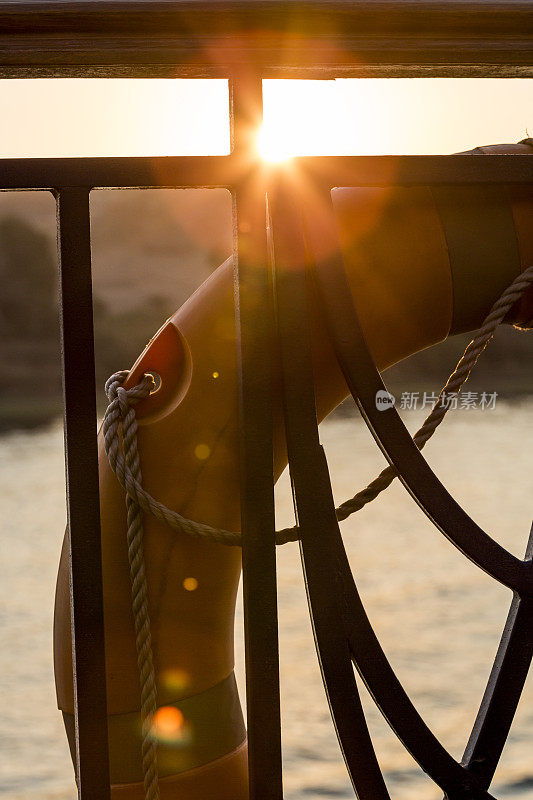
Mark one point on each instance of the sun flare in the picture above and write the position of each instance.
(298, 119)
(272, 145)
(305, 118)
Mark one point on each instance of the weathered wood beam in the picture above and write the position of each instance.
(280, 38)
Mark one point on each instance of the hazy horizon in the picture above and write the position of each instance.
(76, 117)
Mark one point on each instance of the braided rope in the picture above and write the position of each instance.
(123, 409)
(452, 386)
(120, 441)
(117, 416)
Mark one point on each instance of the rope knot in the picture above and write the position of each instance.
(126, 398)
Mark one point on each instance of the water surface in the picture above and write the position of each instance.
(438, 617)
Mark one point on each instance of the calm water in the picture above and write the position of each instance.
(438, 617)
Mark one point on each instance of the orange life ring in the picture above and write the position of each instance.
(410, 292)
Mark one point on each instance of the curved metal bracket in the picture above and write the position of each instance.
(339, 619)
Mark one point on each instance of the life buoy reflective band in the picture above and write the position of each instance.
(190, 733)
(223, 779)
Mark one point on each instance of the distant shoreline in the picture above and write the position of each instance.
(25, 414)
(21, 413)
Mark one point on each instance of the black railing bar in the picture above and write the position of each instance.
(135, 172)
(255, 344)
(141, 172)
(409, 170)
(504, 687)
(503, 692)
(390, 696)
(314, 505)
(83, 510)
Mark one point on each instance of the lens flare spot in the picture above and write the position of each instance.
(202, 451)
(175, 680)
(169, 726)
(190, 584)
(216, 374)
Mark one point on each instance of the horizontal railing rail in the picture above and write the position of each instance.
(227, 172)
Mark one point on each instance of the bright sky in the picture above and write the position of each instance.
(74, 117)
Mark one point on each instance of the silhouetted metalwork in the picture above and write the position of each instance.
(311, 481)
(83, 511)
(245, 42)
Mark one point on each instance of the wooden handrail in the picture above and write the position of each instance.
(278, 38)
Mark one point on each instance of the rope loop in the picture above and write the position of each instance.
(120, 423)
(120, 413)
(125, 398)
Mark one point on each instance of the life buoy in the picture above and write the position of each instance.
(421, 264)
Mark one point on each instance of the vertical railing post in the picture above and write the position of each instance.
(255, 336)
(83, 512)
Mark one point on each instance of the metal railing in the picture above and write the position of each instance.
(245, 42)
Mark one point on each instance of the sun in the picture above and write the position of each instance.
(272, 145)
(301, 118)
